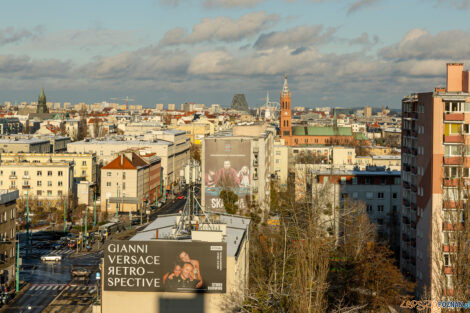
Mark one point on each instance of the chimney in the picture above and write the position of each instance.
(454, 77)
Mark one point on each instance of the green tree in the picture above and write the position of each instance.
(230, 200)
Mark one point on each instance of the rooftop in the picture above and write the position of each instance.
(237, 228)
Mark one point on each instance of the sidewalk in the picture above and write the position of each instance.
(24, 286)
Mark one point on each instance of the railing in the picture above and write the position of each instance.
(453, 139)
(453, 116)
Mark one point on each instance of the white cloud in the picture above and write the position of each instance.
(12, 35)
(299, 36)
(419, 44)
(221, 28)
(361, 4)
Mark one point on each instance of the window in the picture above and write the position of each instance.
(446, 260)
(84, 163)
(13, 173)
(369, 195)
(123, 186)
(49, 173)
(380, 208)
(59, 193)
(26, 173)
(277, 161)
(343, 180)
(49, 193)
(108, 174)
(354, 180)
(355, 195)
(278, 152)
(49, 184)
(369, 208)
(344, 196)
(123, 175)
(60, 183)
(39, 183)
(1, 182)
(39, 193)
(83, 173)
(395, 195)
(380, 195)
(39, 173)
(108, 184)
(380, 221)
(60, 173)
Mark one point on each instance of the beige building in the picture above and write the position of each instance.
(393, 162)
(196, 131)
(49, 181)
(172, 146)
(231, 229)
(31, 144)
(8, 235)
(85, 166)
(246, 147)
(129, 181)
(281, 161)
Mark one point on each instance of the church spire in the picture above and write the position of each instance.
(285, 88)
(42, 106)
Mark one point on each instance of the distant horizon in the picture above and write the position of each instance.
(335, 52)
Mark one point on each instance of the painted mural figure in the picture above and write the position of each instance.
(227, 176)
(244, 177)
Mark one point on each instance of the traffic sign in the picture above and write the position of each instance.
(98, 275)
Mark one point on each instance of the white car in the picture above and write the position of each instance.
(51, 258)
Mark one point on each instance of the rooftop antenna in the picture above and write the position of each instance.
(183, 228)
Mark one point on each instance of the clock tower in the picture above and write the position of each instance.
(286, 115)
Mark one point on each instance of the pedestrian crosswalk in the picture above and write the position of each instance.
(42, 252)
(63, 287)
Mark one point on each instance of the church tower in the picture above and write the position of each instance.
(42, 107)
(286, 114)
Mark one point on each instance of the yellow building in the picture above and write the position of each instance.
(197, 131)
(84, 163)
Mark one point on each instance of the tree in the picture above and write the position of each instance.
(230, 200)
(62, 129)
(82, 126)
(195, 152)
(27, 127)
(97, 126)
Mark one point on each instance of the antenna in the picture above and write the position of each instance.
(183, 228)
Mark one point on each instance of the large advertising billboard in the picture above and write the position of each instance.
(165, 266)
(227, 166)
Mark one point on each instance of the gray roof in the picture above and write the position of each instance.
(237, 229)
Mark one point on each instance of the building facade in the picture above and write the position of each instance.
(435, 163)
(8, 236)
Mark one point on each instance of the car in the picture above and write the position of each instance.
(51, 258)
(80, 272)
(180, 197)
(135, 221)
(72, 244)
(57, 246)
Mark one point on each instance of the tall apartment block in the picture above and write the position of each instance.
(435, 136)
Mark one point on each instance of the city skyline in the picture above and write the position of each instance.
(337, 53)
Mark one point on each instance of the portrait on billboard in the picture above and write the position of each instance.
(185, 274)
(227, 167)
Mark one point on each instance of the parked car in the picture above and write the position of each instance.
(51, 258)
(80, 272)
(72, 244)
(180, 197)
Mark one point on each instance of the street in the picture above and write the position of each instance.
(51, 287)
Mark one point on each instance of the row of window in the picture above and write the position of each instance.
(109, 173)
(38, 173)
(38, 183)
(48, 193)
(109, 184)
(4, 217)
(370, 195)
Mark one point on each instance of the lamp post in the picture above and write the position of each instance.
(117, 201)
(65, 217)
(94, 211)
(18, 265)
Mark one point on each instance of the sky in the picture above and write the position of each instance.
(344, 53)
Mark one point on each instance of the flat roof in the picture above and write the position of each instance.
(135, 142)
(23, 141)
(237, 228)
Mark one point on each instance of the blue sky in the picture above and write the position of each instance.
(336, 52)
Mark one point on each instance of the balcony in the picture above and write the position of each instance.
(26, 177)
(447, 270)
(405, 238)
(406, 132)
(414, 133)
(453, 139)
(414, 188)
(414, 170)
(414, 151)
(413, 115)
(413, 225)
(453, 116)
(26, 187)
(406, 202)
(451, 182)
(406, 185)
(13, 176)
(406, 167)
(414, 206)
(447, 248)
(413, 242)
(453, 160)
(405, 220)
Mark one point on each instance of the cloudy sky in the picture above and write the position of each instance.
(336, 52)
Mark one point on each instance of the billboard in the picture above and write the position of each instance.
(165, 266)
(227, 166)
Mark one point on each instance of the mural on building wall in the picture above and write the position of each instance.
(227, 167)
